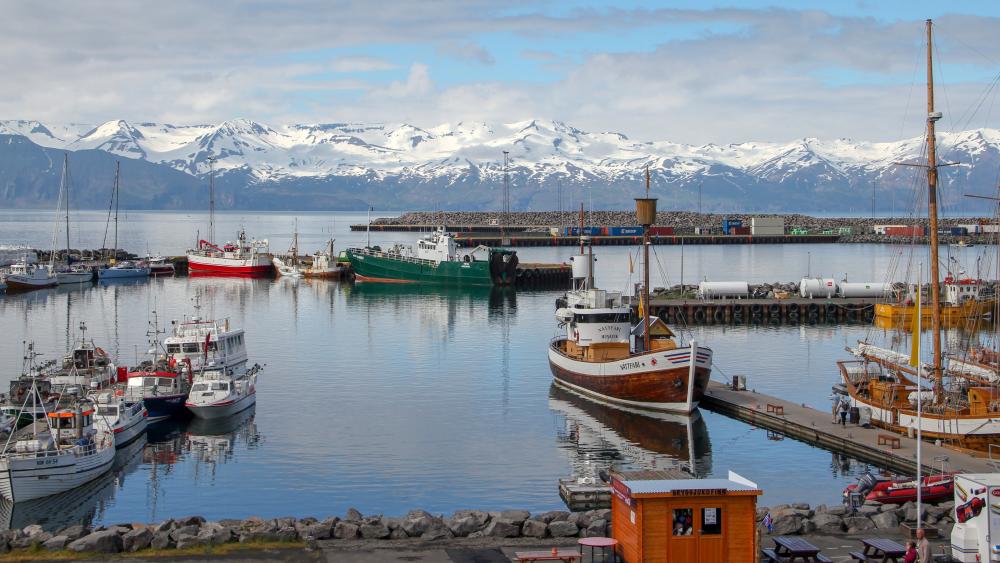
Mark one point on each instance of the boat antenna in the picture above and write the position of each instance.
(368, 243)
(506, 196)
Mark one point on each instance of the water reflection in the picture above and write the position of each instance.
(82, 505)
(599, 437)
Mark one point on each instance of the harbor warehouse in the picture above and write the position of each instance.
(683, 519)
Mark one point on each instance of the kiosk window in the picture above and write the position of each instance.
(711, 521)
(683, 521)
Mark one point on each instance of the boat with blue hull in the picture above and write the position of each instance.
(162, 392)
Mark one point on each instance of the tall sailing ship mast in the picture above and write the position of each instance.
(967, 412)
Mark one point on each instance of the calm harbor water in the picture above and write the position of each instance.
(388, 398)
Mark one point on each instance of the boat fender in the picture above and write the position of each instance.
(576, 335)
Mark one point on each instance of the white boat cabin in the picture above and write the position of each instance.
(439, 247)
(596, 316)
(226, 348)
(958, 291)
(73, 423)
(149, 384)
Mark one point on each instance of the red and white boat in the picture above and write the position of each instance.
(883, 490)
(24, 275)
(243, 257)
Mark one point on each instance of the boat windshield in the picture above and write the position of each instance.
(105, 410)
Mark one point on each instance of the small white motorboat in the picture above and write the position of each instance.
(126, 420)
(124, 269)
(24, 275)
(223, 392)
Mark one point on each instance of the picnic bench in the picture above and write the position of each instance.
(776, 409)
(893, 441)
(788, 549)
(879, 550)
(551, 555)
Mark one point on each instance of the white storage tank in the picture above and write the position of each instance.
(864, 289)
(767, 226)
(817, 287)
(723, 290)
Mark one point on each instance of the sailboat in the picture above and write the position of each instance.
(289, 264)
(125, 268)
(604, 356)
(966, 411)
(67, 273)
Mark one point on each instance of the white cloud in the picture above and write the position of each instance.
(780, 75)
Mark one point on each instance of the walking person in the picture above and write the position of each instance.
(911, 553)
(845, 407)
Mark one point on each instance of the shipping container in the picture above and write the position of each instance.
(767, 226)
(661, 231)
(587, 231)
(729, 224)
(739, 230)
(880, 229)
(625, 231)
(911, 231)
(989, 228)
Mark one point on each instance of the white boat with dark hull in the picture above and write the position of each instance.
(324, 264)
(222, 393)
(126, 420)
(160, 266)
(56, 454)
(23, 275)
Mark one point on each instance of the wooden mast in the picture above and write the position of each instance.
(932, 178)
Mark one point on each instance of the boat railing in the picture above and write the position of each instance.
(393, 256)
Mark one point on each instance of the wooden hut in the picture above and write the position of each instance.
(674, 518)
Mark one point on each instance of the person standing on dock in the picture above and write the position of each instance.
(923, 547)
(845, 407)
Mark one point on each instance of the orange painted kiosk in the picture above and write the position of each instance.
(683, 519)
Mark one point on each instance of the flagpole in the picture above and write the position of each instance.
(920, 389)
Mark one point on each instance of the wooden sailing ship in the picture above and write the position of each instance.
(963, 405)
(604, 355)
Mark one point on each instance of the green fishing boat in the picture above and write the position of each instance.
(435, 260)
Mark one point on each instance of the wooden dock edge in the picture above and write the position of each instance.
(809, 434)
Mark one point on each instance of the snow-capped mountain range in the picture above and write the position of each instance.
(454, 166)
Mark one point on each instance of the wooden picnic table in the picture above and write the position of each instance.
(880, 549)
(788, 549)
(551, 555)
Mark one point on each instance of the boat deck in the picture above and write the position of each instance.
(816, 427)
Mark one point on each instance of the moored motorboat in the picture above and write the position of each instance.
(126, 420)
(23, 275)
(325, 264)
(218, 393)
(201, 343)
(160, 266)
(87, 367)
(56, 454)
(288, 265)
(603, 355)
(244, 257)
(161, 391)
(74, 274)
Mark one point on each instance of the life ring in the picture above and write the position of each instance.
(119, 392)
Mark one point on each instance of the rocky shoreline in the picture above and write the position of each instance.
(793, 519)
(197, 532)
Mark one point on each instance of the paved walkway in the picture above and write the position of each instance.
(816, 427)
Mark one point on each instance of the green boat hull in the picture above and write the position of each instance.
(382, 268)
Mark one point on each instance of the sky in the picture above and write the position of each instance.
(684, 71)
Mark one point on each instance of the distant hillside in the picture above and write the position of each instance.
(397, 167)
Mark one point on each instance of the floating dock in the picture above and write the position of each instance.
(774, 311)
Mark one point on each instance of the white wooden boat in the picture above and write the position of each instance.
(87, 367)
(221, 393)
(324, 264)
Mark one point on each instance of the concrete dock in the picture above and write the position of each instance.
(816, 428)
(544, 239)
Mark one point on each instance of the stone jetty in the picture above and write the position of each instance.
(791, 519)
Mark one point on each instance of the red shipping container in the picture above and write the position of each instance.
(905, 231)
(661, 231)
(739, 230)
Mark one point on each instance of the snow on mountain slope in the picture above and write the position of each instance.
(539, 149)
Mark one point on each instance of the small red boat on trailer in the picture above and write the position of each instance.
(884, 490)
